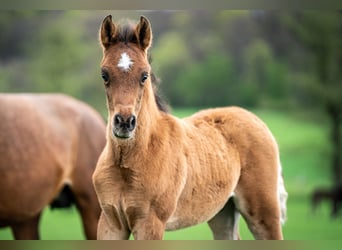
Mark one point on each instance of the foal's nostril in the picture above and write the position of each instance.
(118, 119)
(131, 122)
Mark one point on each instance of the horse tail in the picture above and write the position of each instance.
(282, 194)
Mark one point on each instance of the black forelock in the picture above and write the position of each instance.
(126, 32)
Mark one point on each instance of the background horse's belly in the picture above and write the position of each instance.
(25, 190)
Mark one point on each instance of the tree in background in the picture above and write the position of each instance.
(321, 34)
(265, 78)
(51, 51)
(203, 58)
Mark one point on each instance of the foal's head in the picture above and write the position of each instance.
(126, 72)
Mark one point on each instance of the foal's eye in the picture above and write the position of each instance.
(105, 77)
(144, 77)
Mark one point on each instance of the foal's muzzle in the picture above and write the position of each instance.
(123, 126)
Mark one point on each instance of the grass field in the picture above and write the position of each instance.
(304, 152)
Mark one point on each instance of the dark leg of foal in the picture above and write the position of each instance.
(225, 224)
(27, 230)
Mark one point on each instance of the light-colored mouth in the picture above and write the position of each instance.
(120, 134)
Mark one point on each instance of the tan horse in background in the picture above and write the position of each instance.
(158, 172)
(48, 144)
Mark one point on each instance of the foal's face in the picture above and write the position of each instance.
(125, 71)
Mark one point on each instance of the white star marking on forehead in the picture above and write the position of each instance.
(125, 62)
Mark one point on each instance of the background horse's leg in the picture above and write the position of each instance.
(87, 205)
(225, 224)
(27, 230)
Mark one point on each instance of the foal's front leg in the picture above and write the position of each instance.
(149, 228)
(107, 230)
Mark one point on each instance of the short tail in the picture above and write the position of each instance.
(282, 197)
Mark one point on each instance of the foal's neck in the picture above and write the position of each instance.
(148, 120)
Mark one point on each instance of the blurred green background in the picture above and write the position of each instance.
(284, 66)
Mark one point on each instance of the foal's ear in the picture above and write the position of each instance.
(144, 33)
(107, 32)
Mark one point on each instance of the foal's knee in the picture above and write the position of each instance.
(151, 229)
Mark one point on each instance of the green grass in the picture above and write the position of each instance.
(304, 150)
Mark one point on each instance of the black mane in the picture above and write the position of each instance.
(162, 105)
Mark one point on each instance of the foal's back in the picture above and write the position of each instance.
(238, 126)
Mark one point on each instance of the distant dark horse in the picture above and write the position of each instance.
(334, 195)
(49, 146)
